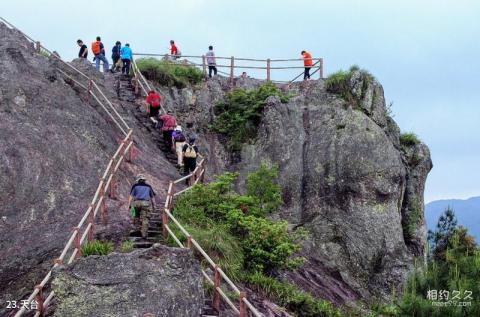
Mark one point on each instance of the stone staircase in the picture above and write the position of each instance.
(124, 88)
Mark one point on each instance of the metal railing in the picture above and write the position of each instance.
(201, 62)
(219, 275)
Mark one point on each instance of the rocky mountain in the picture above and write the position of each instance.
(345, 175)
(466, 210)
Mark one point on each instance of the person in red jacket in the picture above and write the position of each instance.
(174, 50)
(169, 124)
(153, 104)
(307, 63)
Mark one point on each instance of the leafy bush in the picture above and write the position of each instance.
(290, 297)
(409, 139)
(262, 184)
(126, 246)
(169, 73)
(239, 115)
(233, 228)
(97, 247)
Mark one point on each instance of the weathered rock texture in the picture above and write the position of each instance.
(161, 281)
(54, 146)
(345, 177)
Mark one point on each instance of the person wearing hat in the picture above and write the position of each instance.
(178, 140)
(141, 198)
(190, 153)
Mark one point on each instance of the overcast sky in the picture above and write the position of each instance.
(425, 53)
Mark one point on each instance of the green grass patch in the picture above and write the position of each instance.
(240, 114)
(169, 73)
(126, 246)
(289, 296)
(97, 247)
(339, 83)
(409, 139)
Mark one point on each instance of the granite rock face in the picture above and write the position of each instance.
(345, 177)
(161, 281)
(54, 146)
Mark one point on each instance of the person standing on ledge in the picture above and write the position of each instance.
(211, 61)
(83, 53)
(308, 63)
(174, 50)
(99, 51)
(141, 199)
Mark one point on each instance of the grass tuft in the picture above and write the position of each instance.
(97, 247)
(169, 73)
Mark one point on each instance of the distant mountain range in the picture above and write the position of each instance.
(467, 212)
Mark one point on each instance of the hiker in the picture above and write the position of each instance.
(244, 75)
(83, 53)
(212, 64)
(178, 139)
(126, 54)
(141, 199)
(153, 104)
(116, 54)
(174, 50)
(190, 153)
(99, 51)
(308, 63)
(169, 124)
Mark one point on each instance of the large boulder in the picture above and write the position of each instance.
(161, 281)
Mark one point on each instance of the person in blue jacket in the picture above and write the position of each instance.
(126, 55)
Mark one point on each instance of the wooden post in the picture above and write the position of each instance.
(112, 183)
(91, 220)
(164, 223)
(232, 66)
(38, 47)
(189, 242)
(268, 69)
(40, 299)
(77, 243)
(243, 306)
(321, 68)
(204, 65)
(58, 261)
(89, 90)
(216, 294)
(102, 196)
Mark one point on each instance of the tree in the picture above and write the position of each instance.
(439, 239)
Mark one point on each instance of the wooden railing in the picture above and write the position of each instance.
(248, 63)
(219, 275)
(96, 211)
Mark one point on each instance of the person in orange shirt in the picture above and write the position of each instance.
(308, 63)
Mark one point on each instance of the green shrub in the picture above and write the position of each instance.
(126, 246)
(262, 184)
(239, 115)
(289, 296)
(97, 247)
(169, 73)
(233, 228)
(409, 139)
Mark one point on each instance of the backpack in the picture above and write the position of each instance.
(96, 49)
(179, 137)
(190, 152)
